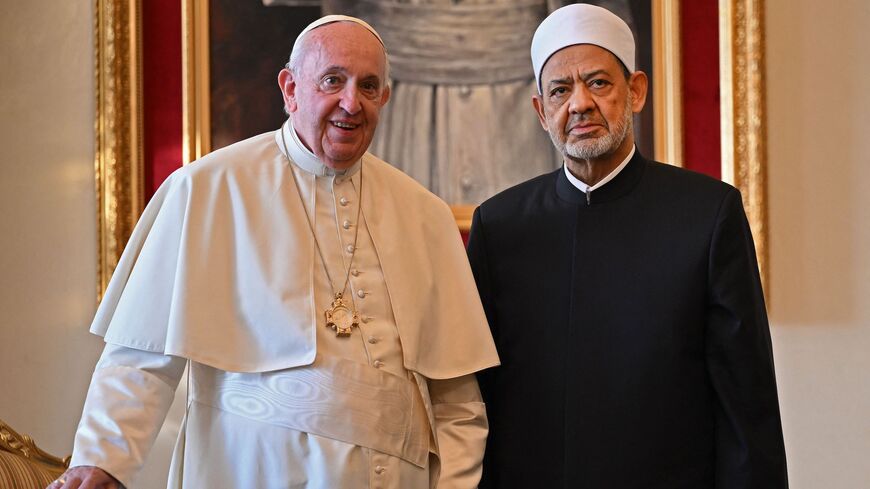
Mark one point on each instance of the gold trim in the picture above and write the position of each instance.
(667, 85)
(744, 117)
(118, 141)
(463, 215)
(195, 80)
(22, 445)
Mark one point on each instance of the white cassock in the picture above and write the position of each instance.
(223, 271)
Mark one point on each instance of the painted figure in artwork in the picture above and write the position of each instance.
(459, 120)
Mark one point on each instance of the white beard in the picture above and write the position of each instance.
(587, 149)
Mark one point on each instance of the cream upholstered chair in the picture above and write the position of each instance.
(23, 465)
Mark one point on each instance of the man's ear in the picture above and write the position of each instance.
(385, 96)
(538, 104)
(638, 84)
(287, 84)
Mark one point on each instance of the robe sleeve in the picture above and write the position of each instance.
(461, 427)
(130, 393)
(749, 450)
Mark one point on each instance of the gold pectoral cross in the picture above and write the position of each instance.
(341, 318)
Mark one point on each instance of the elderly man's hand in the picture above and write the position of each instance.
(85, 477)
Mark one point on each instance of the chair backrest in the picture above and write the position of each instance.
(23, 465)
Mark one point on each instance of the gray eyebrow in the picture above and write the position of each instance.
(584, 76)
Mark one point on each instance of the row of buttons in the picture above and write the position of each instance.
(346, 224)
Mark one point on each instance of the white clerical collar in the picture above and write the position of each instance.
(586, 188)
(303, 157)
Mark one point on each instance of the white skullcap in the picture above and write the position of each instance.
(581, 24)
(329, 19)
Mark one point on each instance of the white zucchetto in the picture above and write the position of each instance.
(581, 24)
(329, 19)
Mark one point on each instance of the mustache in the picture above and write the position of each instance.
(585, 118)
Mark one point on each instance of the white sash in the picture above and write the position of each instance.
(334, 398)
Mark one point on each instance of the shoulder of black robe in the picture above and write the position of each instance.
(632, 333)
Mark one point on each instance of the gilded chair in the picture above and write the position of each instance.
(23, 465)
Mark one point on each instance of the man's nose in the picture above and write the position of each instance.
(350, 100)
(581, 100)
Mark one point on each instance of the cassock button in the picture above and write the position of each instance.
(346, 224)
(373, 339)
(361, 293)
(367, 319)
(349, 248)
(343, 201)
(378, 364)
(354, 272)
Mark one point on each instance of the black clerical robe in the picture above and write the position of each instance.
(633, 336)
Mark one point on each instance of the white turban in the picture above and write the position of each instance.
(581, 24)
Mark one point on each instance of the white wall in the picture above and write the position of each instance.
(47, 221)
(47, 209)
(819, 142)
(818, 69)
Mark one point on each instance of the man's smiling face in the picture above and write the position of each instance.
(335, 94)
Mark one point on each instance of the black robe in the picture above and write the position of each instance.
(632, 333)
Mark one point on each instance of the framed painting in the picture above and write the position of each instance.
(222, 96)
(452, 98)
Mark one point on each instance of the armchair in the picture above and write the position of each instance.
(23, 465)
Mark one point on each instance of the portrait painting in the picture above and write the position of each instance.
(460, 118)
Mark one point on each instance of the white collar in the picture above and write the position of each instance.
(586, 188)
(303, 157)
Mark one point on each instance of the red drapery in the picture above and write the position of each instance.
(699, 33)
(161, 90)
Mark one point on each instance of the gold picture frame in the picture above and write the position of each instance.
(744, 114)
(118, 145)
(118, 126)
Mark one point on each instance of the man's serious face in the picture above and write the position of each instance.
(337, 92)
(587, 104)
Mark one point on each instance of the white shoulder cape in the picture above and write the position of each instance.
(219, 269)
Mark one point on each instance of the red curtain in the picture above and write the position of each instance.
(699, 23)
(161, 90)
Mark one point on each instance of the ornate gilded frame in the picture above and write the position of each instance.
(24, 446)
(118, 127)
(118, 161)
(744, 114)
(667, 92)
(196, 140)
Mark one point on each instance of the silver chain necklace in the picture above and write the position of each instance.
(340, 317)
